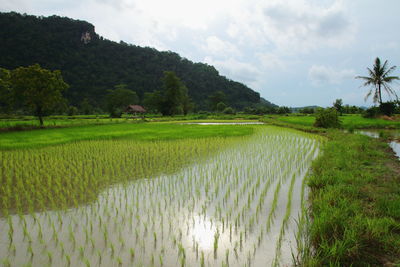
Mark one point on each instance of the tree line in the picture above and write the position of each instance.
(40, 92)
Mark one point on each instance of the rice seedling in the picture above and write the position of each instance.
(170, 202)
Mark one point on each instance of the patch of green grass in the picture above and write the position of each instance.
(10, 123)
(354, 203)
(351, 121)
(136, 131)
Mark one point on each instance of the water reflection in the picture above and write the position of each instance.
(202, 232)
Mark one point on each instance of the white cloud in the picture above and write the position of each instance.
(271, 61)
(292, 25)
(235, 69)
(218, 47)
(319, 75)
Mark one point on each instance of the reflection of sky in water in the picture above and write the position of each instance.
(202, 232)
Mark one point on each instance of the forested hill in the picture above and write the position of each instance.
(91, 65)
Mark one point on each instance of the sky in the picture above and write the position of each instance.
(293, 52)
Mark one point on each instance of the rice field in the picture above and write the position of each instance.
(237, 201)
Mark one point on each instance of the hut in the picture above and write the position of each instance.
(136, 110)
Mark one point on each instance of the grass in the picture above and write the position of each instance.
(350, 185)
(355, 203)
(136, 131)
(13, 123)
(350, 121)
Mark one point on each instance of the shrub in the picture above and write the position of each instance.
(372, 112)
(221, 106)
(387, 108)
(228, 110)
(327, 118)
(72, 111)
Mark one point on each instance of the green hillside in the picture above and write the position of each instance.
(91, 65)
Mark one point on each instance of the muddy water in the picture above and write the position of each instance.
(229, 210)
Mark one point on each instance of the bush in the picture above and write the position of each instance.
(327, 118)
(371, 112)
(72, 111)
(228, 110)
(387, 108)
(221, 106)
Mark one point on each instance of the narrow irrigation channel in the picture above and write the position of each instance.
(241, 207)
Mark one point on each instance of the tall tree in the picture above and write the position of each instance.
(176, 98)
(216, 98)
(153, 102)
(338, 105)
(379, 76)
(38, 90)
(119, 98)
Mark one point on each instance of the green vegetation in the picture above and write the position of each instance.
(201, 201)
(75, 173)
(327, 118)
(355, 203)
(136, 131)
(119, 99)
(353, 121)
(379, 78)
(33, 89)
(174, 100)
(92, 65)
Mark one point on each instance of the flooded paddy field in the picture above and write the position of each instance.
(242, 205)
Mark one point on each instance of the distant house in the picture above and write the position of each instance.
(135, 110)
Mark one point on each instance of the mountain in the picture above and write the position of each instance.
(266, 103)
(91, 64)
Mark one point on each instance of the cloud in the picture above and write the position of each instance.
(319, 75)
(293, 25)
(235, 69)
(271, 61)
(304, 26)
(218, 47)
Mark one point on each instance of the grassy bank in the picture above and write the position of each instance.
(136, 131)
(355, 202)
(18, 123)
(351, 121)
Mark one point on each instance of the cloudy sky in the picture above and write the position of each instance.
(294, 52)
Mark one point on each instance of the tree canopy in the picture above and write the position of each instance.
(119, 98)
(38, 90)
(378, 77)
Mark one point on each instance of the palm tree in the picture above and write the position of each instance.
(378, 78)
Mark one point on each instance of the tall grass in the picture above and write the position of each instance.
(350, 186)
